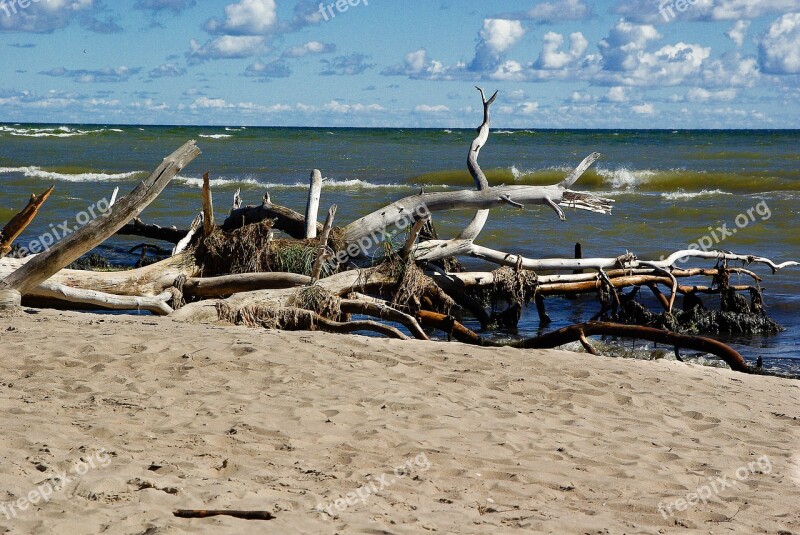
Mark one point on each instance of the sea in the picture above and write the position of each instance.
(672, 189)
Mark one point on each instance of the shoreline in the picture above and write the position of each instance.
(219, 417)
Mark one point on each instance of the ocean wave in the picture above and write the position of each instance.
(216, 136)
(624, 178)
(60, 132)
(682, 195)
(197, 182)
(38, 172)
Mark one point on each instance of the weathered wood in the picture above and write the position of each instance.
(228, 285)
(285, 219)
(96, 232)
(20, 221)
(312, 206)
(323, 253)
(384, 312)
(475, 226)
(183, 244)
(208, 207)
(574, 333)
(64, 295)
(152, 232)
(150, 280)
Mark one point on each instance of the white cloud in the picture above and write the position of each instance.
(310, 48)
(644, 109)
(552, 57)
(698, 94)
(247, 17)
(425, 108)
(617, 94)
(738, 31)
(228, 47)
(779, 49)
(496, 38)
(665, 11)
(556, 11)
(40, 16)
(528, 108)
(337, 107)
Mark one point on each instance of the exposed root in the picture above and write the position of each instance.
(318, 300)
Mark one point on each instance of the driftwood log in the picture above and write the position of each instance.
(409, 288)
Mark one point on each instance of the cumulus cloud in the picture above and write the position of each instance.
(548, 12)
(44, 17)
(496, 37)
(552, 57)
(779, 48)
(310, 48)
(105, 75)
(227, 47)
(417, 65)
(155, 6)
(166, 70)
(644, 109)
(247, 17)
(738, 32)
(663, 11)
(271, 69)
(351, 65)
(427, 108)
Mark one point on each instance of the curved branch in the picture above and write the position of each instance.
(475, 226)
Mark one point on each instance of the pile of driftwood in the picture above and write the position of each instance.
(270, 266)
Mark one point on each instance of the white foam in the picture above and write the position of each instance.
(197, 182)
(38, 172)
(624, 178)
(61, 131)
(682, 195)
(215, 136)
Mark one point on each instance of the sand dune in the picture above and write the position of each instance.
(170, 416)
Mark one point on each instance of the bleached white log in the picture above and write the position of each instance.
(312, 206)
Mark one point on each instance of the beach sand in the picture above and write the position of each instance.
(171, 416)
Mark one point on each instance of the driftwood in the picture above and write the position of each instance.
(20, 221)
(574, 333)
(407, 288)
(312, 207)
(208, 513)
(152, 232)
(96, 232)
(285, 219)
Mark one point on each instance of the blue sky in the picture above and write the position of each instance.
(557, 63)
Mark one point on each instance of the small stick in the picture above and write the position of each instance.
(323, 245)
(412, 237)
(244, 515)
(208, 207)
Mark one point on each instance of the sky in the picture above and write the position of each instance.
(410, 63)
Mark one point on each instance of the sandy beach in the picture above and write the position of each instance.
(114, 422)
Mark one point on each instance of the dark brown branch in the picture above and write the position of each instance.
(243, 515)
(152, 232)
(286, 219)
(20, 221)
(573, 333)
